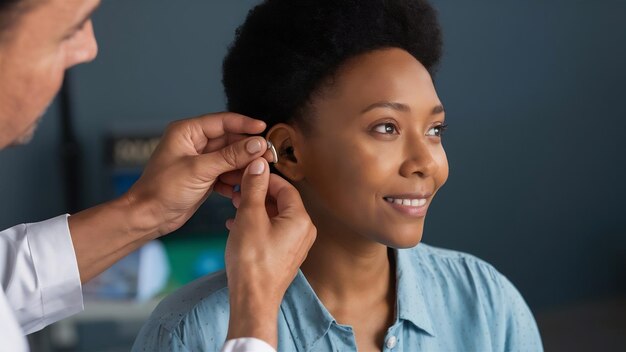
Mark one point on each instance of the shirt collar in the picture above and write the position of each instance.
(306, 316)
(309, 320)
(411, 302)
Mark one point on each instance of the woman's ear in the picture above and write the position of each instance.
(286, 139)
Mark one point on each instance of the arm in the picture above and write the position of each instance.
(521, 332)
(514, 327)
(39, 274)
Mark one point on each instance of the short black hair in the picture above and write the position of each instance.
(286, 49)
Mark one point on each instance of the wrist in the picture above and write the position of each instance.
(140, 217)
(104, 234)
(251, 317)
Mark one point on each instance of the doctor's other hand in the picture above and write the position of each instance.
(186, 164)
(269, 239)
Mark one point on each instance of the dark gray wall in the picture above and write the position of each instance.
(534, 95)
(532, 92)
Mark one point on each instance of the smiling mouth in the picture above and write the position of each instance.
(412, 205)
(408, 202)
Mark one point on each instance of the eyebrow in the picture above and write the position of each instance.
(86, 18)
(399, 107)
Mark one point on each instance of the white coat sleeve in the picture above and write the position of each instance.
(10, 332)
(39, 274)
(247, 344)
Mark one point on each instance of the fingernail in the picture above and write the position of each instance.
(257, 167)
(253, 146)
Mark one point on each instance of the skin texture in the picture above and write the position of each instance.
(345, 167)
(54, 35)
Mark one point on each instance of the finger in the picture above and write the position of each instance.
(234, 177)
(220, 142)
(231, 178)
(236, 199)
(269, 156)
(254, 186)
(285, 194)
(218, 124)
(232, 157)
(224, 189)
(270, 206)
(229, 223)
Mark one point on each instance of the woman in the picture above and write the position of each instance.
(346, 89)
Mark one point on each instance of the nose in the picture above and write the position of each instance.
(419, 159)
(83, 48)
(91, 45)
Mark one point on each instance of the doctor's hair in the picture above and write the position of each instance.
(287, 51)
(9, 12)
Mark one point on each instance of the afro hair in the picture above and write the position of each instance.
(286, 49)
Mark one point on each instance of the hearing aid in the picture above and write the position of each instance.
(272, 149)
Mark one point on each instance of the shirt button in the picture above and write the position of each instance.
(391, 342)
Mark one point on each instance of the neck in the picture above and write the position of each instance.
(347, 269)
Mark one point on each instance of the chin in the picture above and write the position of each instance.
(24, 139)
(403, 238)
(27, 137)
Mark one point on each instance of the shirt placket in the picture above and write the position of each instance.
(393, 339)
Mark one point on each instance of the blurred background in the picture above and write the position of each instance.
(534, 98)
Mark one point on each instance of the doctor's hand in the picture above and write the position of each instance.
(180, 175)
(268, 241)
(186, 165)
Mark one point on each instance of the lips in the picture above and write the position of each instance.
(414, 205)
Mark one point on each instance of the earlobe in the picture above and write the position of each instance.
(285, 139)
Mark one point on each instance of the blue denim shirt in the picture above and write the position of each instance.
(446, 301)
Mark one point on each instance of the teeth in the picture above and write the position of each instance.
(407, 202)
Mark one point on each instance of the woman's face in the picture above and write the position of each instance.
(374, 158)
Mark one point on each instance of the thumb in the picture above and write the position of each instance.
(232, 157)
(254, 185)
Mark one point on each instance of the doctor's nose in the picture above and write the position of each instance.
(83, 47)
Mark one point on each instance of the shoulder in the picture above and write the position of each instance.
(435, 258)
(201, 307)
(462, 273)
(207, 292)
(462, 285)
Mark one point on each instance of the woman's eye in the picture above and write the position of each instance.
(437, 131)
(386, 128)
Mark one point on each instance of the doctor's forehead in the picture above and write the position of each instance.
(12, 10)
(81, 9)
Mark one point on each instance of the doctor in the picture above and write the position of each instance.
(42, 265)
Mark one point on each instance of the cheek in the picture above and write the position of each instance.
(33, 89)
(349, 176)
(443, 168)
(45, 81)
